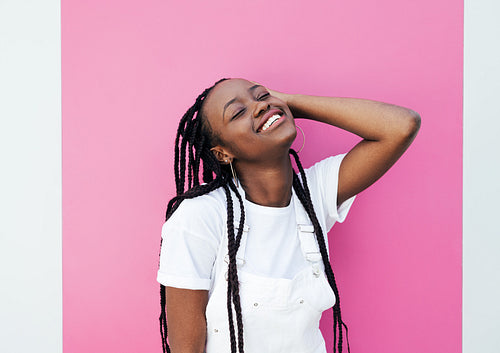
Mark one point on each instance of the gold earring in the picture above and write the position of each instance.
(234, 174)
(303, 138)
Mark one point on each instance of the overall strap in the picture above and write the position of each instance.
(308, 243)
(240, 254)
(220, 270)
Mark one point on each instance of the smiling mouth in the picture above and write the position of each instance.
(270, 121)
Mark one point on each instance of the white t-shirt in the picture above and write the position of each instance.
(192, 235)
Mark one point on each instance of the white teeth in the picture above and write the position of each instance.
(270, 121)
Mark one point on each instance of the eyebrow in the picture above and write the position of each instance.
(251, 89)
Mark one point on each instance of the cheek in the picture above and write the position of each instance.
(240, 140)
(231, 136)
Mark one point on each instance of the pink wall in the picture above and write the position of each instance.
(130, 69)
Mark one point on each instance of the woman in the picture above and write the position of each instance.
(244, 262)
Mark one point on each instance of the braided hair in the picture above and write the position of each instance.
(193, 142)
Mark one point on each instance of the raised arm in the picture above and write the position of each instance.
(387, 131)
(187, 327)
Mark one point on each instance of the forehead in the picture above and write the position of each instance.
(224, 92)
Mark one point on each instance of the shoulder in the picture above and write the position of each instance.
(322, 180)
(191, 238)
(201, 216)
(323, 171)
(325, 165)
(208, 204)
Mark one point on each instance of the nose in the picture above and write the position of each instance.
(260, 107)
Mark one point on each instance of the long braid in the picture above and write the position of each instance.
(192, 148)
(302, 191)
(192, 170)
(163, 319)
(233, 298)
(233, 274)
(197, 156)
(231, 267)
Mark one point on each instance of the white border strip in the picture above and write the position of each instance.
(30, 178)
(481, 190)
(30, 181)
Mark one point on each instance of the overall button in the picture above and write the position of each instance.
(316, 272)
(215, 330)
(301, 301)
(256, 304)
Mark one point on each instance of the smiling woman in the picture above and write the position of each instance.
(241, 124)
(254, 275)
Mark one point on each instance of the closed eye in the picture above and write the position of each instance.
(238, 113)
(262, 97)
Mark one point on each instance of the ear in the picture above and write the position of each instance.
(223, 156)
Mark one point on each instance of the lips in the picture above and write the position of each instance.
(267, 116)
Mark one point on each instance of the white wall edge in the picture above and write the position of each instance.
(30, 180)
(481, 177)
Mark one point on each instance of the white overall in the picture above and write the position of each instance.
(279, 315)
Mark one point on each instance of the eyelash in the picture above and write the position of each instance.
(242, 110)
(235, 115)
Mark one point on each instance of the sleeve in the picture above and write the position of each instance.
(323, 180)
(190, 241)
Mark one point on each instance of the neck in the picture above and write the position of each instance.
(267, 185)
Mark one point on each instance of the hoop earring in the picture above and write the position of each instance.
(234, 174)
(303, 138)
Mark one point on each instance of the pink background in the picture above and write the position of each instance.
(130, 70)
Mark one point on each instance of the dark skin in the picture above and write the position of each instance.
(260, 157)
(235, 109)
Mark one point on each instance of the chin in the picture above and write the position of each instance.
(287, 140)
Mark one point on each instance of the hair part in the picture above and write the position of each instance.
(194, 140)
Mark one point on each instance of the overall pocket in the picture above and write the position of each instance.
(318, 294)
(263, 292)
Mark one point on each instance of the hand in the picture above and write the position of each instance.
(283, 96)
(280, 95)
